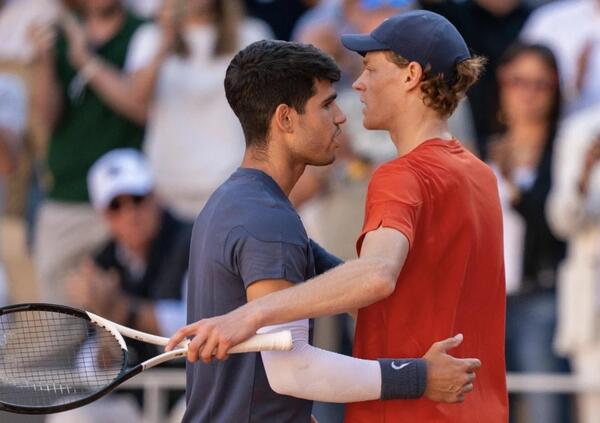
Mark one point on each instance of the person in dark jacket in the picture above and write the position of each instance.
(522, 157)
(137, 278)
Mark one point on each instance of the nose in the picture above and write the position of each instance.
(358, 85)
(340, 117)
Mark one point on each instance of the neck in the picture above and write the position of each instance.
(283, 171)
(410, 130)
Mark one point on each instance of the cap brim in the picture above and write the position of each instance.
(362, 43)
(128, 188)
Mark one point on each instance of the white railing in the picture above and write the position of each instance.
(155, 382)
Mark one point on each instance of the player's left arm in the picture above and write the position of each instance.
(315, 374)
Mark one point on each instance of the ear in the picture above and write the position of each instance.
(284, 118)
(413, 75)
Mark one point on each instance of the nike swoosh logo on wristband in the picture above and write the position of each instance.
(400, 367)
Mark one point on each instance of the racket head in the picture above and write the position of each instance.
(55, 358)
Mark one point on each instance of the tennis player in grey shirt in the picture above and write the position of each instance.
(247, 232)
(248, 241)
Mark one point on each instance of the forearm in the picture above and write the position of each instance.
(118, 90)
(319, 375)
(46, 98)
(352, 286)
(314, 374)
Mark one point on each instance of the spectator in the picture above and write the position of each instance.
(488, 27)
(574, 214)
(572, 30)
(21, 149)
(137, 278)
(82, 96)
(530, 103)
(193, 139)
(281, 15)
(15, 20)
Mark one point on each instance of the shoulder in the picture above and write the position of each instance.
(238, 204)
(416, 166)
(146, 34)
(397, 180)
(122, 40)
(397, 169)
(132, 23)
(273, 224)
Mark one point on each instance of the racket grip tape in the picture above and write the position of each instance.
(278, 341)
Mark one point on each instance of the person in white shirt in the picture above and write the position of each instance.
(573, 211)
(16, 18)
(571, 28)
(193, 139)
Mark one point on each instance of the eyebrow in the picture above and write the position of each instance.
(329, 99)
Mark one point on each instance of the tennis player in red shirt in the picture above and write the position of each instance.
(431, 260)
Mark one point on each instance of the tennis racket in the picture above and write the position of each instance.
(55, 358)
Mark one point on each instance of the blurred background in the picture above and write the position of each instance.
(142, 80)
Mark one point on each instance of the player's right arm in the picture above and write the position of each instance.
(351, 286)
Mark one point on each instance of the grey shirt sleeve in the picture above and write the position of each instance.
(255, 259)
(324, 260)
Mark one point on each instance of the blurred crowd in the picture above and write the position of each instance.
(115, 129)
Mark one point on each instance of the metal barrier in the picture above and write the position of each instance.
(156, 382)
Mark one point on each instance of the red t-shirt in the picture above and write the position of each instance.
(445, 201)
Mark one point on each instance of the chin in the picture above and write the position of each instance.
(324, 161)
(369, 124)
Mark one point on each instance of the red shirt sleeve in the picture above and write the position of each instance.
(394, 200)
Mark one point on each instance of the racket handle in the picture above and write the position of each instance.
(278, 341)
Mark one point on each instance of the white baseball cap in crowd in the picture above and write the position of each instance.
(122, 171)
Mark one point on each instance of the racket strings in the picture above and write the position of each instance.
(50, 358)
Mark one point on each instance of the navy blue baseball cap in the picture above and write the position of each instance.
(419, 36)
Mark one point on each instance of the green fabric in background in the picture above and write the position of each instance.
(88, 127)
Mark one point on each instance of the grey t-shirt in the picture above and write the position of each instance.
(248, 231)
